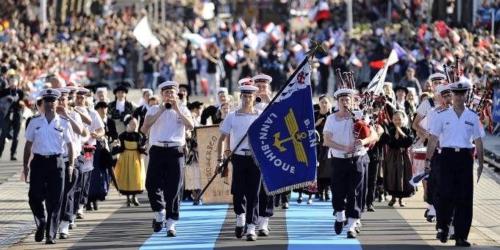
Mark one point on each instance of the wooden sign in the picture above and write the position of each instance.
(220, 189)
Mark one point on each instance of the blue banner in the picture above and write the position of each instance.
(283, 138)
(496, 105)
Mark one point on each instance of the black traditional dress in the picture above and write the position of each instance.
(397, 163)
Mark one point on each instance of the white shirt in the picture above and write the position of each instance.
(454, 131)
(341, 131)
(120, 105)
(236, 126)
(95, 124)
(169, 127)
(76, 139)
(424, 108)
(261, 106)
(48, 138)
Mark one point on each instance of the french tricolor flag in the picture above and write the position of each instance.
(323, 11)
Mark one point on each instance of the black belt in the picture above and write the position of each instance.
(48, 156)
(457, 150)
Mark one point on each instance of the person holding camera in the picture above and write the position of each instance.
(166, 127)
(12, 104)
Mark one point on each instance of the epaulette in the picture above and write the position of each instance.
(64, 118)
(36, 116)
(441, 110)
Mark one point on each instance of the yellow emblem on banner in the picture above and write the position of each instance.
(295, 136)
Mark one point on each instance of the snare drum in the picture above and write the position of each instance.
(418, 156)
(419, 153)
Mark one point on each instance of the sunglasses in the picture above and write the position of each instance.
(49, 99)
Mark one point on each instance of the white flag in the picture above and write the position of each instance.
(144, 35)
(378, 80)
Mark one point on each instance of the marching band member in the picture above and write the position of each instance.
(95, 129)
(46, 136)
(348, 161)
(71, 177)
(246, 182)
(266, 203)
(422, 111)
(324, 170)
(456, 128)
(167, 125)
(445, 100)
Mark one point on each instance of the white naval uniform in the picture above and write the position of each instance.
(176, 132)
(165, 174)
(236, 126)
(47, 169)
(49, 138)
(455, 175)
(348, 171)
(246, 183)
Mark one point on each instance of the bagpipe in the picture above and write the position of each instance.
(479, 103)
(361, 128)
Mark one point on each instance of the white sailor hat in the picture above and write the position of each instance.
(72, 88)
(248, 88)
(437, 76)
(144, 91)
(262, 78)
(222, 90)
(50, 94)
(461, 86)
(168, 85)
(245, 81)
(63, 90)
(82, 91)
(101, 89)
(344, 92)
(442, 88)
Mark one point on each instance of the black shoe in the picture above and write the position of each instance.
(13, 158)
(371, 208)
(431, 218)
(299, 200)
(339, 225)
(251, 237)
(426, 213)
(135, 201)
(72, 226)
(263, 232)
(88, 207)
(40, 231)
(50, 241)
(285, 205)
(171, 233)
(452, 237)
(157, 226)
(391, 203)
(351, 234)
(327, 198)
(63, 236)
(238, 231)
(357, 229)
(442, 236)
(79, 216)
(462, 243)
(94, 204)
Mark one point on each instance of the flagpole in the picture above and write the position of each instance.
(223, 166)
